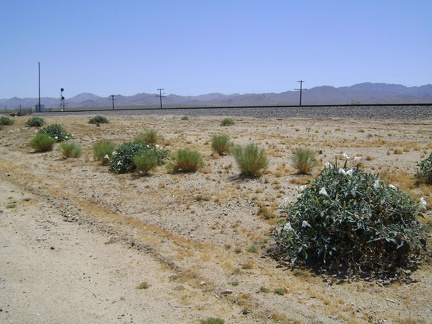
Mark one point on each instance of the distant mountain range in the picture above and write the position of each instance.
(364, 93)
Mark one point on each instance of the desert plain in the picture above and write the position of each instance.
(79, 244)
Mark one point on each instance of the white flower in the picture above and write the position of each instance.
(305, 224)
(358, 159)
(157, 145)
(346, 156)
(342, 171)
(288, 227)
(349, 172)
(113, 153)
(56, 137)
(302, 188)
(422, 203)
(391, 186)
(119, 163)
(323, 191)
(106, 156)
(66, 137)
(376, 184)
(328, 165)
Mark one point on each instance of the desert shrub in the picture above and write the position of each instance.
(35, 122)
(184, 118)
(220, 143)
(424, 172)
(102, 150)
(70, 149)
(146, 161)
(185, 161)
(304, 160)
(42, 142)
(349, 222)
(55, 131)
(98, 120)
(149, 137)
(251, 159)
(6, 121)
(121, 160)
(227, 122)
(212, 320)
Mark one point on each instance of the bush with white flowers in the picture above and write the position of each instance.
(347, 221)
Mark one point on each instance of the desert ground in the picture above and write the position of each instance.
(76, 241)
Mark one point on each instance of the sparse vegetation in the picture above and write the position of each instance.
(227, 122)
(212, 320)
(35, 122)
(220, 144)
(97, 120)
(148, 137)
(103, 150)
(424, 172)
(143, 285)
(42, 143)
(146, 161)
(6, 121)
(251, 159)
(304, 160)
(70, 150)
(185, 160)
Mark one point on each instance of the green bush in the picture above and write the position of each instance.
(6, 121)
(35, 122)
(42, 143)
(220, 144)
(121, 160)
(251, 159)
(304, 160)
(70, 149)
(424, 173)
(145, 162)
(148, 137)
(55, 131)
(98, 120)
(212, 320)
(349, 222)
(227, 122)
(185, 161)
(102, 150)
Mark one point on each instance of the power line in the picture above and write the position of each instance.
(112, 98)
(160, 96)
(301, 90)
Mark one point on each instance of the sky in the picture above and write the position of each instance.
(193, 47)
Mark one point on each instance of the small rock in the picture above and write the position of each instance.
(203, 283)
(227, 292)
(53, 248)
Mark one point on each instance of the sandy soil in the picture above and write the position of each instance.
(76, 240)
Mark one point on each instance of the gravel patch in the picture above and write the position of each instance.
(347, 112)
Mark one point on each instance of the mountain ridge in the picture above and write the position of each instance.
(364, 93)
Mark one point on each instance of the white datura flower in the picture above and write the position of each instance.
(328, 165)
(349, 172)
(305, 224)
(106, 156)
(342, 171)
(288, 227)
(323, 191)
(376, 184)
(391, 186)
(302, 188)
(422, 203)
(346, 156)
(357, 159)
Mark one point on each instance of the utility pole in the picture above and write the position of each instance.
(39, 103)
(160, 97)
(112, 98)
(301, 90)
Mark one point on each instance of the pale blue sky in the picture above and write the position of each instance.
(195, 47)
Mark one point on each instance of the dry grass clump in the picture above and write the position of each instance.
(251, 159)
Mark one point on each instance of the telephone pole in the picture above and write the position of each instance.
(39, 102)
(301, 90)
(112, 98)
(160, 97)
